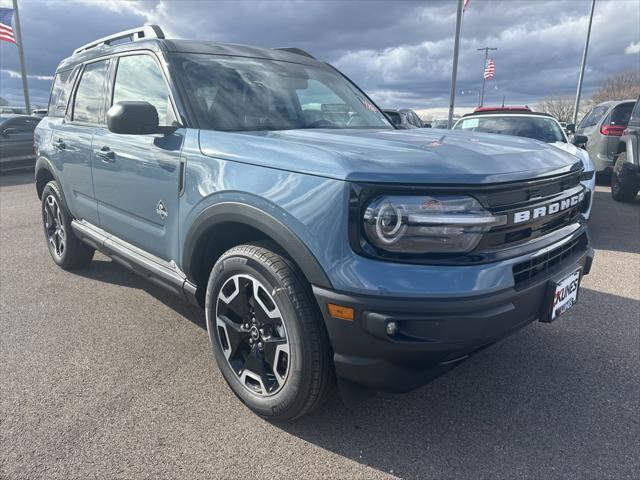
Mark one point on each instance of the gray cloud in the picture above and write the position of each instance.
(399, 51)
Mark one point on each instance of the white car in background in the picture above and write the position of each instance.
(525, 123)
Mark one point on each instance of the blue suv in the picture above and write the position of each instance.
(322, 242)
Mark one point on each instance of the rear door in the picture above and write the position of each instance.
(74, 136)
(136, 177)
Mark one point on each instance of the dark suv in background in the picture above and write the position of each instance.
(625, 179)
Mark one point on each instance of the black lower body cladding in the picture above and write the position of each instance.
(431, 336)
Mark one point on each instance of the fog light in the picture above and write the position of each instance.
(392, 328)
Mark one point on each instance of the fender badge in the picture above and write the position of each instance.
(161, 209)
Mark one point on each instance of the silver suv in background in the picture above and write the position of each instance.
(603, 127)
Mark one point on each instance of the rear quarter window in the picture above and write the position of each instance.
(60, 91)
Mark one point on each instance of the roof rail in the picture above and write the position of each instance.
(296, 50)
(140, 33)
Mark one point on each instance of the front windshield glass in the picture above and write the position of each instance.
(249, 94)
(538, 128)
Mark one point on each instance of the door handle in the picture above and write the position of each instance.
(59, 144)
(106, 154)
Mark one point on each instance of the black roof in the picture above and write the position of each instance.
(189, 46)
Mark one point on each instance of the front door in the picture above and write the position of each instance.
(136, 177)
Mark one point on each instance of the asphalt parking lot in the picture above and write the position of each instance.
(103, 375)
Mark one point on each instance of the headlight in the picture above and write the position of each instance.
(427, 224)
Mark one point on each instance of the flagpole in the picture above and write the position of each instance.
(454, 72)
(25, 84)
(486, 57)
(584, 62)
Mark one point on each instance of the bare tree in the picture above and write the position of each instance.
(619, 87)
(561, 107)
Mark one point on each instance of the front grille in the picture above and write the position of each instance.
(541, 195)
(535, 267)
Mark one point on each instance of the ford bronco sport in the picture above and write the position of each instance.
(321, 241)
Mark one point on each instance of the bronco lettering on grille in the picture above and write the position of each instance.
(549, 209)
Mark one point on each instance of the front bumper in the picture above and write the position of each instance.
(434, 335)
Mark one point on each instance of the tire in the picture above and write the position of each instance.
(257, 298)
(65, 248)
(624, 184)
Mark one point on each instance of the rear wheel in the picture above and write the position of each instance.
(65, 248)
(624, 184)
(266, 334)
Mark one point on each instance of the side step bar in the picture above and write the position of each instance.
(160, 272)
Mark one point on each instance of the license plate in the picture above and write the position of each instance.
(565, 294)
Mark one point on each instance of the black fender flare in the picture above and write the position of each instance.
(43, 163)
(235, 212)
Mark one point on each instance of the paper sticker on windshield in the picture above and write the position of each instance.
(367, 104)
(470, 123)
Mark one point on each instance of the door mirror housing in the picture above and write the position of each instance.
(135, 118)
(580, 141)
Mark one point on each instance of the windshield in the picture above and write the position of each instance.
(538, 128)
(249, 94)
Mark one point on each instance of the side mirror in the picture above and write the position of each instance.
(426, 125)
(580, 141)
(135, 118)
(571, 128)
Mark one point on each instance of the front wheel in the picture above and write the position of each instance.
(266, 334)
(624, 184)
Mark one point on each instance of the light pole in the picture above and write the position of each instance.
(454, 72)
(484, 66)
(576, 106)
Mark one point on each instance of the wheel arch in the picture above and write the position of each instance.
(45, 172)
(227, 224)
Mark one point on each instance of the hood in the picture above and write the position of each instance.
(576, 152)
(417, 156)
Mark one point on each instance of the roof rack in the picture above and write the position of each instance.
(140, 33)
(297, 51)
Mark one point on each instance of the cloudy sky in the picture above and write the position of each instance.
(398, 51)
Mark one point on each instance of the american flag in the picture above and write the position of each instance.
(489, 69)
(6, 32)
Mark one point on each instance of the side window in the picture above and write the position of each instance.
(586, 119)
(139, 78)
(598, 113)
(416, 120)
(89, 100)
(60, 92)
